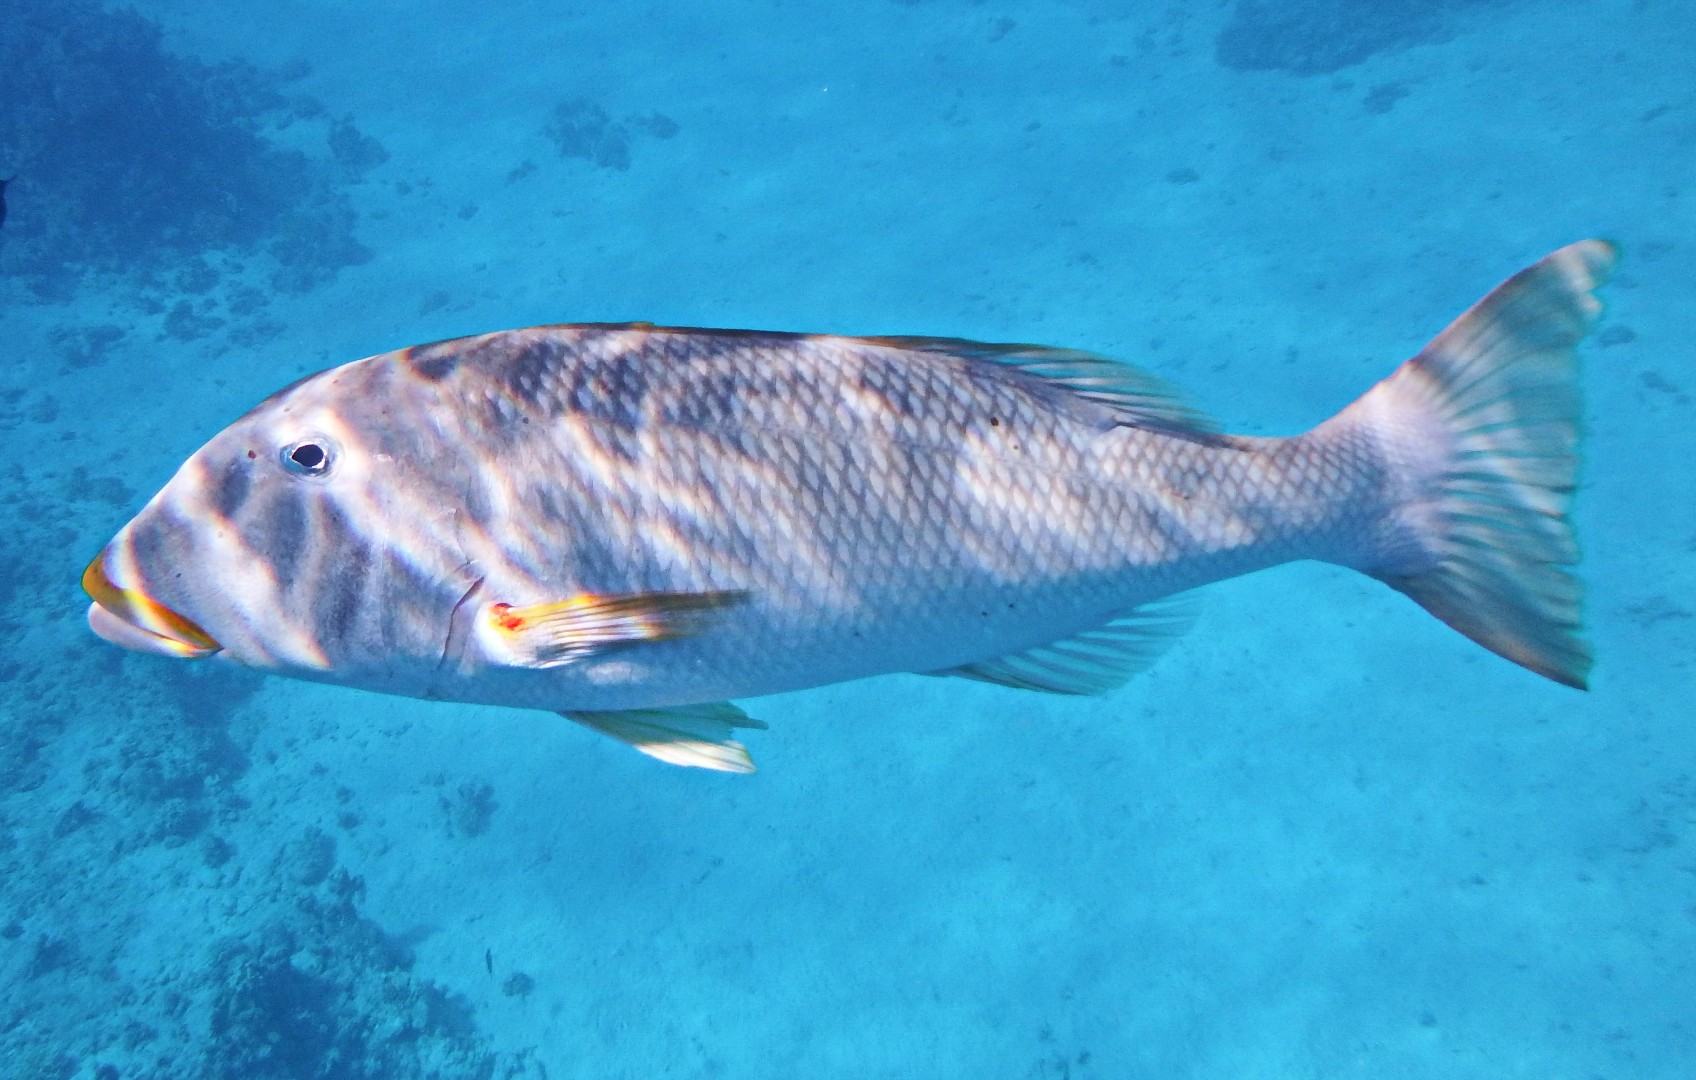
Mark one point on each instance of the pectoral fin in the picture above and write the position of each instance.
(551, 634)
(698, 736)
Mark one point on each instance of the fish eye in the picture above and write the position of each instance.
(311, 457)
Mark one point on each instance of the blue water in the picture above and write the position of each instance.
(1324, 837)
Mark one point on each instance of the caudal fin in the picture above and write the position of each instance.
(1482, 425)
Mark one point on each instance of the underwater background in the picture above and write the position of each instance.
(1324, 837)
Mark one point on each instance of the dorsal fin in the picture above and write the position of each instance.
(1137, 398)
(1094, 661)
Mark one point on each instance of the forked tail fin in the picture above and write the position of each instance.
(1479, 433)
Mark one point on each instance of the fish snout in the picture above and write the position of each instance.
(128, 617)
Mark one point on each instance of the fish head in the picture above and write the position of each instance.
(305, 539)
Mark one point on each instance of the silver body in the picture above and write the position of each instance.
(632, 525)
(899, 505)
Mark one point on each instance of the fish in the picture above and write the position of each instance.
(634, 525)
(3, 184)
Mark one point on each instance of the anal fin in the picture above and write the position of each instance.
(1095, 661)
(698, 736)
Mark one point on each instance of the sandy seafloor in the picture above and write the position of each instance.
(1324, 837)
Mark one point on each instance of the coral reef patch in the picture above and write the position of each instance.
(1316, 37)
(583, 129)
(133, 160)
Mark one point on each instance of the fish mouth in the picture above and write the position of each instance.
(132, 619)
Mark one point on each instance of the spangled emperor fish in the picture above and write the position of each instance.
(632, 525)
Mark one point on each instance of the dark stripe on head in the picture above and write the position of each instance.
(433, 363)
(338, 600)
(229, 492)
(288, 534)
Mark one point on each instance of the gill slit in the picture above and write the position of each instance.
(454, 634)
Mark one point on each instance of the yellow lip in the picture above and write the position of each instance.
(137, 621)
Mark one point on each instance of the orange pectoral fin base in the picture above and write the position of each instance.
(548, 635)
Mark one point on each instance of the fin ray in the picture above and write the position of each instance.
(1500, 385)
(558, 632)
(1095, 661)
(1136, 398)
(695, 736)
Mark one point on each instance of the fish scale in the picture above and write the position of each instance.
(633, 524)
(1055, 510)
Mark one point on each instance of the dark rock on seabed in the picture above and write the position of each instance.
(1315, 37)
